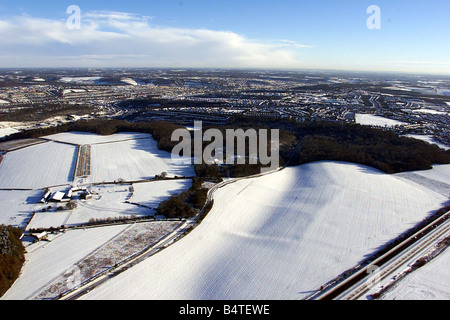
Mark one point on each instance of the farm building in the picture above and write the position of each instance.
(46, 197)
(60, 196)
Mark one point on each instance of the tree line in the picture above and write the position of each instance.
(381, 149)
(161, 131)
(11, 256)
(186, 204)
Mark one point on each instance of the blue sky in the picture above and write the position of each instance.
(289, 34)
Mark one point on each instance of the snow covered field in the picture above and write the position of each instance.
(7, 131)
(108, 201)
(134, 239)
(431, 282)
(280, 236)
(82, 138)
(38, 166)
(81, 80)
(437, 179)
(47, 260)
(429, 139)
(133, 160)
(430, 111)
(77, 255)
(128, 155)
(373, 120)
(16, 206)
(150, 194)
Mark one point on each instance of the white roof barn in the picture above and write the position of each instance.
(58, 196)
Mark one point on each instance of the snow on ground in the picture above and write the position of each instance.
(429, 139)
(16, 206)
(49, 219)
(373, 120)
(108, 201)
(429, 111)
(126, 155)
(7, 131)
(65, 91)
(437, 179)
(280, 236)
(133, 160)
(151, 194)
(47, 260)
(129, 81)
(133, 240)
(38, 166)
(81, 80)
(430, 282)
(82, 138)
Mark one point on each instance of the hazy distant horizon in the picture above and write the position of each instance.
(230, 69)
(409, 36)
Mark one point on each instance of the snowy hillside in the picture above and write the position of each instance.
(280, 236)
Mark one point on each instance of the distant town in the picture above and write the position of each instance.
(415, 105)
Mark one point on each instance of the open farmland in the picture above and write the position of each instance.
(135, 238)
(130, 156)
(83, 161)
(429, 139)
(108, 201)
(18, 144)
(38, 166)
(16, 206)
(373, 120)
(280, 236)
(6, 131)
(151, 194)
(430, 282)
(437, 179)
(133, 160)
(47, 260)
(83, 138)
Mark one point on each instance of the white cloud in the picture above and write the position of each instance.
(126, 39)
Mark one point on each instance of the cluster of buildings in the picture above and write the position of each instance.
(61, 196)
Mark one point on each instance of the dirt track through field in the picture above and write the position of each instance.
(83, 167)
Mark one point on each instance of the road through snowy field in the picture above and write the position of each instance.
(280, 236)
